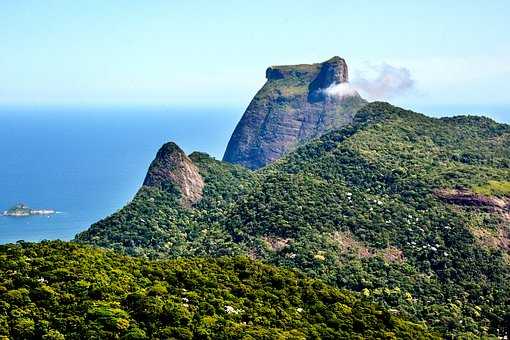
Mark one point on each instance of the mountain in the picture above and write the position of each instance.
(296, 104)
(57, 290)
(410, 211)
(173, 170)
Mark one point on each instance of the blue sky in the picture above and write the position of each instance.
(200, 53)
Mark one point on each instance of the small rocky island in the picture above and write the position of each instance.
(22, 210)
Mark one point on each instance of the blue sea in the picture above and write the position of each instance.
(86, 163)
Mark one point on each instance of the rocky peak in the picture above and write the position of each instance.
(291, 107)
(334, 71)
(304, 72)
(172, 168)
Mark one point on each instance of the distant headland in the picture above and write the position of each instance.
(22, 210)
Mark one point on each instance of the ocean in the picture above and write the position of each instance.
(86, 163)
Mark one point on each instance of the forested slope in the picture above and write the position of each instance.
(57, 290)
(411, 211)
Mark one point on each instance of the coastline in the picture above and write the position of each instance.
(32, 212)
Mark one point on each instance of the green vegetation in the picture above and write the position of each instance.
(494, 188)
(155, 224)
(356, 208)
(57, 290)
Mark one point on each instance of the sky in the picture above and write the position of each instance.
(214, 53)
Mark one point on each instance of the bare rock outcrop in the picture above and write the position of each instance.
(172, 168)
(469, 198)
(293, 106)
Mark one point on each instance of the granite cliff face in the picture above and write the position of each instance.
(297, 103)
(173, 169)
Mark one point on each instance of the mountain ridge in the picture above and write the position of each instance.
(292, 107)
(357, 207)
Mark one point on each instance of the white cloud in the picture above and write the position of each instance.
(389, 81)
(340, 90)
(462, 80)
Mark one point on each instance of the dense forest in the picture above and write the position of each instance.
(412, 212)
(57, 290)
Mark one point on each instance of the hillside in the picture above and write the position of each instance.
(294, 106)
(54, 290)
(412, 211)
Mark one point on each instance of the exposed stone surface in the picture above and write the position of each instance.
(469, 198)
(172, 168)
(276, 243)
(494, 239)
(332, 72)
(393, 255)
(291, 107)
(498, 238)
(347, 243)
